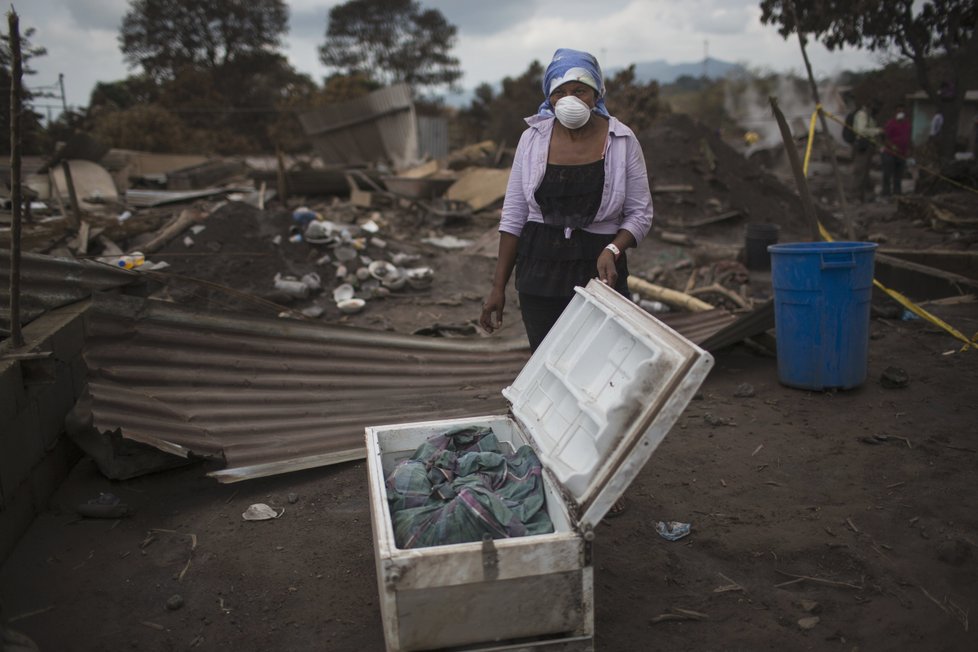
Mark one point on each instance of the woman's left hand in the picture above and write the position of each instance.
(607, 272)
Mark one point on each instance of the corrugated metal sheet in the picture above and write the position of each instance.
(147, 198)
(432, 137)
(272, 395)
(755, 322)
(377, 127)
(718, 328)
(47, 282)
(697, 326)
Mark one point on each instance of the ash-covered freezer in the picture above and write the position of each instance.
(594, 401)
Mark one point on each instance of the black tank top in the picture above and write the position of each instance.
(570, 195)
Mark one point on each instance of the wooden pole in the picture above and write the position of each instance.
(807, 205)
(830, 148)
(75, 218)
(281, 178)
(667, 295)
(16, 73)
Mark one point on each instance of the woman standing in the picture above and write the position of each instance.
(578, 198)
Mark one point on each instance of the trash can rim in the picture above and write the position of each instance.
(820, 247)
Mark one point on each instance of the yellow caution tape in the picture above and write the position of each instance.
(923, 314)
(811, 139)
(911, 306)
(893, 294)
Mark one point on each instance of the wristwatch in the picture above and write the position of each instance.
(613, 248)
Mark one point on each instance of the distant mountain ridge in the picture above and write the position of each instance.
(659, 70)
(664, 72)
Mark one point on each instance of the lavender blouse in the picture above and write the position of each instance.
(625, 204)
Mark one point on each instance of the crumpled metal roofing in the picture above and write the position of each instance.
(272, 395)
(47, 282)
(378, 126)
(267, 395)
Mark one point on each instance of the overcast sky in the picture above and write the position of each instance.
(496, 38)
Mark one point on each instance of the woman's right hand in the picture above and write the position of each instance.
(495, 303)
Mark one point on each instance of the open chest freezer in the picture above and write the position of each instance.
(594, 401)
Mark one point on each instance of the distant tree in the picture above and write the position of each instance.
(144, 127)
(499, 117)
(163, 36)
(634, 103)
(391, 41)
(937, 36)
(124, 93)
(214, 66)
(30, 121)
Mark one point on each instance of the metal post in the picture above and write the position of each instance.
(75, 219)
(16, 73)
(64, 102)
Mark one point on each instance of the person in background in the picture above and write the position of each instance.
(936, 123)
(895, 151)
(578, 197)
(864, 124)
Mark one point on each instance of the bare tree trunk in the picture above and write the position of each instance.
(829, 145)
(807, 205)
(16, 73)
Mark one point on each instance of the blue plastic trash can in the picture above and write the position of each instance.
(822, 294)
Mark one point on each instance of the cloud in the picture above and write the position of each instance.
(482, 18)
(308, 23)
(85, 54)
(496, 39)
(720, 18)
(97, 14)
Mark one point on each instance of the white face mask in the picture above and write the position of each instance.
(901, 115)
(572, 112)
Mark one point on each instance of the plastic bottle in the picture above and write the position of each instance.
(129, 261)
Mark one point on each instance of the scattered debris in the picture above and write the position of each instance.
(716, 421)
(744, 390)
(808, 622)
(729, 586)
(894, 378)
(105, 506)
(480, 188)
(876, 440)
(174, 602)
(818, 580)
(679, 614)
(672, 530)
(447, 242)
(260, 512)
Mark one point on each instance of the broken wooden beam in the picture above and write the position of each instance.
(665, 188)
(675, 238)
(666, 295)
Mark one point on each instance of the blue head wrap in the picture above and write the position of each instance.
(572, 65)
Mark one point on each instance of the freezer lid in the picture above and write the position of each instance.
(600, 393)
